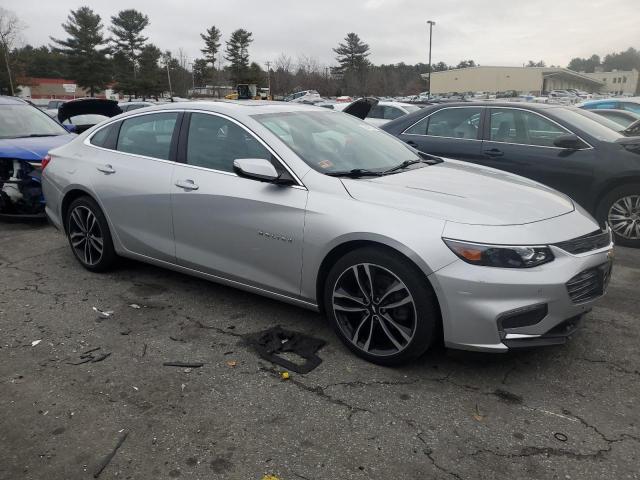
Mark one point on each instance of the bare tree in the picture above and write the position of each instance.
(10, 28)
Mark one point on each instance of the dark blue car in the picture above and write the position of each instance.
(26, 135)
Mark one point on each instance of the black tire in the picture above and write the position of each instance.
(604, 214)
(81, 209)
(386, 268)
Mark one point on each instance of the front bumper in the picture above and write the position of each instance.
(475, 301)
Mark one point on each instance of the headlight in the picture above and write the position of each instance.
(500, 256)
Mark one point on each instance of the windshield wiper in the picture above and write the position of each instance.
(354, 173)
(402, 166)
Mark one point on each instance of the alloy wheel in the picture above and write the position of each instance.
(624, 217)
(374, 309)
(85, 235)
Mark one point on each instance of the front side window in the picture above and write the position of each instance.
(455, 123)
(332, 142)
(215, 142)
(523, 127)
(148, 135)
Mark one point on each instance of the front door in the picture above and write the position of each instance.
(225, 225)
(522, 142)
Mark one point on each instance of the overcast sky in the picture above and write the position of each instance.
(491, 32)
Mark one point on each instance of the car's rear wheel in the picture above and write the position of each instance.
(88, 234)
(381, 306)
(620, 208)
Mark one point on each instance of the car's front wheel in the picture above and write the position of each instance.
(88, 234)
(620, 208)
(381, 306)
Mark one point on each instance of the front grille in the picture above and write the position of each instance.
(589, 284)
(592, 241)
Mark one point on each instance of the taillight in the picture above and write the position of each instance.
(45, 161)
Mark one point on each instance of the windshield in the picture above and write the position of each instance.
(595, 125)
(333, 142)
(18, 121)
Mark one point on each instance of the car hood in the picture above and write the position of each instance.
(31, 149)
(85, 106)
(463, 193)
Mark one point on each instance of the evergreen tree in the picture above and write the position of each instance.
(212, 44)
(352, 55)
(128, 40)
(151, 78)
(237, 54)
(86, 49)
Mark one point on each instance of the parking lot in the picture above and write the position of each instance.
(555, 413)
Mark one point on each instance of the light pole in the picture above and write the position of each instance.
(431, 24)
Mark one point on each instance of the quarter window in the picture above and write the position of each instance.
(523, 127)
(215, 142)
(148, 135)
(105, 137)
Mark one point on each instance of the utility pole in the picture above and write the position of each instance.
(268, 64)
(6, 59)
(431, 24)
(169, 78)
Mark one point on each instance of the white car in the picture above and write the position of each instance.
(305, 96)
(384, 112)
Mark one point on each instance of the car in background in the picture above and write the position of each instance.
(566, 148)
(624, 118)
(134, 105)
(83, 113)
(305, 96)
(313, 207)
(26, 135)
(384, 112)
(631, 104)
(55, 104)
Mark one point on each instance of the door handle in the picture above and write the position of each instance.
(494, 152)
(108, 169)
(187, 184)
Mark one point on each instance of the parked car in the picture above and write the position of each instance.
(319, 209)
(305, 96)
(384, 112)
(563, 147)
(631, 104)
(83, 113)
(55, 104)
(26, 135)
(623, 118)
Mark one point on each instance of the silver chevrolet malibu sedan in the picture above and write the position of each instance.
(398, 248)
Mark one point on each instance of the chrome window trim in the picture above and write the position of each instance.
(589, 146)
(87, 142)
(440, 110)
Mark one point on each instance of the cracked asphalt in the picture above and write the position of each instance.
(567, 412)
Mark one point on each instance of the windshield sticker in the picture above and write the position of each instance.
(325, 164)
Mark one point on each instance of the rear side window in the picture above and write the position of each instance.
(523, 127)
(106, 137)
(455, 123)
(215, 142)
(148, 135)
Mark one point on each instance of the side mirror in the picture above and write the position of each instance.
(255, 168)
(570, 142)
(70, 128)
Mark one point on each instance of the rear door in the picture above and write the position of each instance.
(452, 132)
(131, 171)
(522, 142)
(229, 226)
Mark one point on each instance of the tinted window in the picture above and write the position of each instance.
(632, 107)
(103, 137)
(215, 142)
(419, 128)
(520, 126)
(455, 123)
(148, 135)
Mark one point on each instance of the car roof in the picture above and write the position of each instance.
(527, 105)
(242, 107)
(7, 100)
(606, 100)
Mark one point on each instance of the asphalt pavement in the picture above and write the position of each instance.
(73, 385)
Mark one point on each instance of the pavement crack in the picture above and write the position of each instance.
(611, 365)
